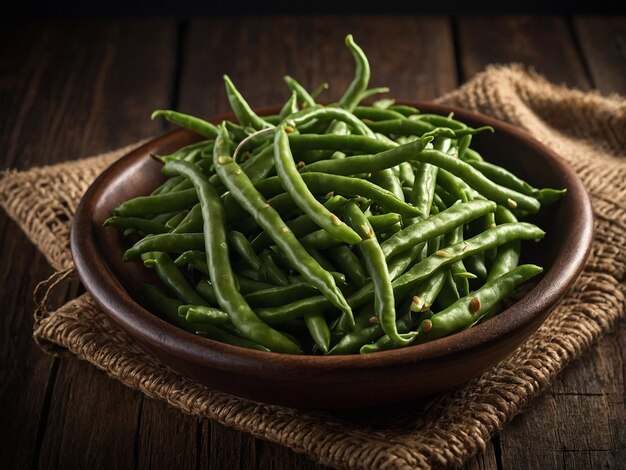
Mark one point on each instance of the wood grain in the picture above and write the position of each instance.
(575, 424)
(68, 90)
(72, 89)
(542, 42)
(603, 42)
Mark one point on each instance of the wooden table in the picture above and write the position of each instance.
(71, 89)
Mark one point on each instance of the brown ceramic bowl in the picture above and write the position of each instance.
(341, 381)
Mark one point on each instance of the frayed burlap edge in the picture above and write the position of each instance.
(587, 130)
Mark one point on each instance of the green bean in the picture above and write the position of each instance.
(376, 266)
(145, 226)
(167, 186)
(353, 94)
(328, 113)
(499, 235)
(254, 203)
(404, 109)
(203, 314)
(507, 255)
(479, 182)
(427, 292)
(216, 248)
(322, 240)
(199, 126)
(476, 265)
(376, 114)
(242, 247)
(357, 143)
(401, 127)
(300, 226)
(449, 292)
(165, 306)
(370, 163)
(242, 109)
(294, 184)
(247, 286)
(161, 203)
(259, 166)
(192, 222)
(280, 295)
(299, 90)
(435, 225)
(272, 271)
(507, 179)
(206, 291)
(440, 121)
(217, 334)
(167, 242)
(349, 263)
(170, 275)
(407, 323)
(290, 106)
(319, 330)
(387, 180)
(175, 220)
(465, 311)
(406, 173)
(195, 259)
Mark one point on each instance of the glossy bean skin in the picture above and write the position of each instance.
(170, 275)
(143, 225)
(466, 310)
(166, 242)
(322, 183)
(376, 266)
(357, 87)
(158, 204)
(402, 285)
(356, 143)
(199, 126)
(435, 225)
(370, 163)
(296, 187)
(243, 111)
(216, 248)
(254, 203)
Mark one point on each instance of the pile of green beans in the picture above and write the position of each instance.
(331, 229)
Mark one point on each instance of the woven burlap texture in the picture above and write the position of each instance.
(586, 129)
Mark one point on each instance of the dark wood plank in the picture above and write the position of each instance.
(166, 438)
(603, 42)
(69, 90)
(256, 53)
(25, 371)
(542, 42)
(576, 423)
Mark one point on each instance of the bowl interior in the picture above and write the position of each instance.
(98, 253)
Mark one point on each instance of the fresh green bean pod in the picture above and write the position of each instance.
(296, 187)
(166, 242)
(143, 206)
(352, 143)
(435, 225)
(203, 314)
(170, 275)
(145, 226)
(349, 264)
(242, 247)
(254, 203)
(328, 113)
(376, 266)
(245, 115)
(217, 334)
(280, 295)
(216, 248)
(464, 312)
(358, 86)
(370, 163)
(199, 126)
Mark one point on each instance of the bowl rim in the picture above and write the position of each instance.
(119, 305)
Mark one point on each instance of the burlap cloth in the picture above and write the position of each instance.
(586, 129)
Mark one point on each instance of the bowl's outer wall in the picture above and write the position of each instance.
(334, 382)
